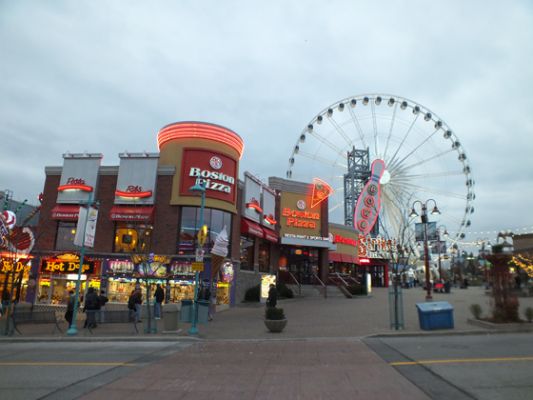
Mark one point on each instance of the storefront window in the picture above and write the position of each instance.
(65, 236)
(247, 253)
(132, 238)
(190, 223)
(264, 257)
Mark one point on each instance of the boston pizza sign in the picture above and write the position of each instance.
(216, 171)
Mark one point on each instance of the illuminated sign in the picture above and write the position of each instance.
(197, 170)
(254, 205)
(376, 247)
(269, 219)
(344, 240)
(7, 266)
(369, 203)
(75, 184)
(321, 191)
(58, 266)
(133, 191)
(300, 219)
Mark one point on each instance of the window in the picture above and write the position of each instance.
(132, 238)
(264, 256)
(65, 236)
(247, 253)
(190, 223)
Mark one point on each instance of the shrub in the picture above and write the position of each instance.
(356, 290)
(528, 312)
(284, 291)
(252, 294)
(274, 313)
(475, 309)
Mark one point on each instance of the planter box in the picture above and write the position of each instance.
(275, 325)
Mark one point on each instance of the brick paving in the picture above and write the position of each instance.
(319, 355)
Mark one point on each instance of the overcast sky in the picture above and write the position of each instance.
(105, 76)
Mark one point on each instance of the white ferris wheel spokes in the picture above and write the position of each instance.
(423, 158)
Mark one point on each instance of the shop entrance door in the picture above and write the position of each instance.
(303, 271)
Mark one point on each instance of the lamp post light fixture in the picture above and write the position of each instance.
(198, 187)
(424, 219)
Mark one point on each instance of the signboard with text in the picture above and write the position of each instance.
(216, 171)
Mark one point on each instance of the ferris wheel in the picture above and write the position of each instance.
(423, 159)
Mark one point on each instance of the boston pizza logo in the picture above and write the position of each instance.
(215, 162)
(301, 205)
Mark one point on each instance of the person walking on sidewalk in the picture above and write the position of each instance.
(272, 298)
(91, 307)
(102, 300)
(159, 297)
(70, 307)
(138, 301)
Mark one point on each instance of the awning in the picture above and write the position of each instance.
(270, 235)
(251, 228)
(344, 258)
(132, 213)
(67, 212)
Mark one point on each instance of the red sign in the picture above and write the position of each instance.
(133, 191)
(345, 240)
(75, 184)
(218, 172)
(321, 191)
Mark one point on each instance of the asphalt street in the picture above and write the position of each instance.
(67, 370)
(488, 367)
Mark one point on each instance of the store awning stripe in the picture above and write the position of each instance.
(251, 228)
(131, 213)
(67, 212)
(270, 235)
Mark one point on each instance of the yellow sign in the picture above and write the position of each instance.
(202, 235)
(197, 266)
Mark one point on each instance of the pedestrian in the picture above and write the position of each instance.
(70, 307)
(272, 298)
(102, 299)
(91, 307)
(138, 301)
(131, 305)
(159, 297)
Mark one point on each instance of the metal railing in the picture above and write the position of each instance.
(296, 282)
(323, 286)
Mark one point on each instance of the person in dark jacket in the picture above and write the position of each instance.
(159, 297)
(138, 302)
(91, 307)
(102, 299)
(272, 298)
(70, 307)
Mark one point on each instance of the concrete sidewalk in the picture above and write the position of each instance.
(308, 317)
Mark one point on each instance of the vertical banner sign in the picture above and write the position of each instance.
(86, 222)
(90, 232)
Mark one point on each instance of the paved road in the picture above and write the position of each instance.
(487, 367)
(52, 370)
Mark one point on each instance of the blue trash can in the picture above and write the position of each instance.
(203, 311)
(435, 315)
(186, 311)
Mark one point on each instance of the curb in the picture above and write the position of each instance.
(74, 339)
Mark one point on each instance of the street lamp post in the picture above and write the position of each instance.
(198, 187)
(73, 329)
(424, 219)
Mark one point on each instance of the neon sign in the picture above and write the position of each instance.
(133, 191)
(321, 191)
(300, 219)
(75, 184)
(254, 205)
(369, 202)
